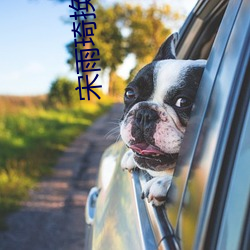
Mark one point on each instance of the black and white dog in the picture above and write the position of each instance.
(158, 103)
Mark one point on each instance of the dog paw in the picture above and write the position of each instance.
(156, 189)
(127, 162)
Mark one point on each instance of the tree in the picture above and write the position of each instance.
(123, 29)
(147, 32)
(107, 39)
(117, 85)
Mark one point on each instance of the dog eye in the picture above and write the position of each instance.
(183, 102)
(130, 94)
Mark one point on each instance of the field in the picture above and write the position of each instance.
(32, 135)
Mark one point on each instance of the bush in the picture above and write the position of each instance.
(63, 93)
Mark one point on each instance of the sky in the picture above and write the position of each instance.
(33, 44)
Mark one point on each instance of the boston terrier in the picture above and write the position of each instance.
(158, 102)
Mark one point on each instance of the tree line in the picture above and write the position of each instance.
(124, 29)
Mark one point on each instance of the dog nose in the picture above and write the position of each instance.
(145, 117)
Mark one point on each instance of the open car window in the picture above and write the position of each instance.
(198, 33)
(196, 41)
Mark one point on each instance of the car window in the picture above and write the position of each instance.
(199, 31)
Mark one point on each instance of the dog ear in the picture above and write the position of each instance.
(167, 49)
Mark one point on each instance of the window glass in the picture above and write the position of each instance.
(236, 206)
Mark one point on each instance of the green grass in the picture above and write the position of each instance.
(31, 139)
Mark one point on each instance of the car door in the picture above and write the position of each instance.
(207, 184)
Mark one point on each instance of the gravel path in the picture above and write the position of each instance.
(53, 218)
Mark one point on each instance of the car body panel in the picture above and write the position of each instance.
(117, 224)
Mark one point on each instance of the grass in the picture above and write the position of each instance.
(31, 138)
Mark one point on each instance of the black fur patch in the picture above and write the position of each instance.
(142, 85)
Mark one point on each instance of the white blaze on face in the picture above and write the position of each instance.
(169, 73)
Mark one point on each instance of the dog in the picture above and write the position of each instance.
(158, 102)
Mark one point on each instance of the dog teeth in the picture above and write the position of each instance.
(156, 155)
(152, 155)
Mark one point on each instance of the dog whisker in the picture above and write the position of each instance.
(118, 138)
(116, 122)
(113, 132)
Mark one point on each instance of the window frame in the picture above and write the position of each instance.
(162, 227)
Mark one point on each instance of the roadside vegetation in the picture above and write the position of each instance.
(34, 132)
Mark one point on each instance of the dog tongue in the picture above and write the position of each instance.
(145, 149)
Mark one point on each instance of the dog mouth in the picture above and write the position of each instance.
(149, 152)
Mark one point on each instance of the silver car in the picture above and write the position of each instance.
(208, 203)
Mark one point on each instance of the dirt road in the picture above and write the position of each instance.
(53, 218)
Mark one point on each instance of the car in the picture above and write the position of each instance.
(208, 204)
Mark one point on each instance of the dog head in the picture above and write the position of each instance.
(158, 102)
